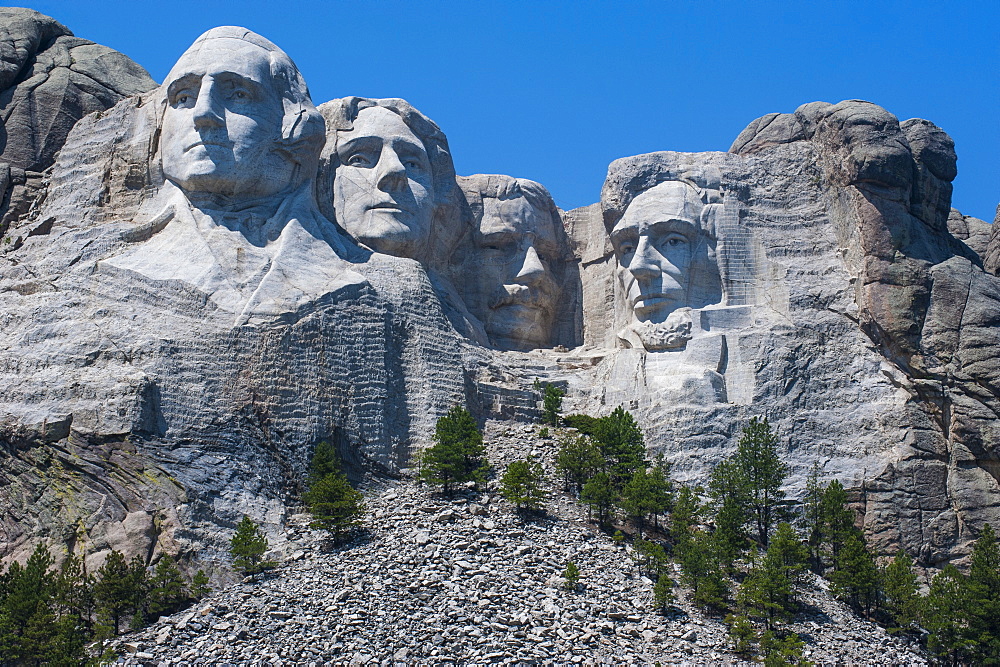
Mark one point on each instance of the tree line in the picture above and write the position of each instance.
(50, 615)
(741, 548)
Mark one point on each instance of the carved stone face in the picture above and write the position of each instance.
(655, 242)
(516, 248)
(222, 122)
(383, 190)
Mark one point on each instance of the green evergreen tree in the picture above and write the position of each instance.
(247, 548)
(900, 591)
(521, 484)
(647, 494)
(335, 505)
(781, 649)
(552, 404)
(855, 577)
(577, 461)
(742, 634)
(25, 615)
(621, 444)
(945, 616)
(767, 591)
(984, 597)
(812, 518)
(74, 605)
(838, 519)
(599, 496)
(199, 585)
(325, 461)
(701, 572)
(118, 589)
(584, 424)
(571, 577)
(650, 557)
(762, 473)
(686, 514)
(458, 455)
(167, 590)
(663, 594)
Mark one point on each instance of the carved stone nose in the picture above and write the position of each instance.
(390, 172)
(532, 268)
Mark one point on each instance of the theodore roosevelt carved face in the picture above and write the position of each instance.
(512, 286)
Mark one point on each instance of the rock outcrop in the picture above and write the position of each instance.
(201, 297)
(49, 80)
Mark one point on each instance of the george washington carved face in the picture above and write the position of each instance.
(224, 115)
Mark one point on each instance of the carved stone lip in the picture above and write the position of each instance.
(651, 300)
(223, 144)
(385, 206)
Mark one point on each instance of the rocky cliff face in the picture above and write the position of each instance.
(49, 80)
(172, 352)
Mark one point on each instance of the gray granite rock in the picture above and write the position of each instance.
(49, 80)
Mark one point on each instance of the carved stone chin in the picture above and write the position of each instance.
(673, 334)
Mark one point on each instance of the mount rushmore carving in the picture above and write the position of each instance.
(215, 274)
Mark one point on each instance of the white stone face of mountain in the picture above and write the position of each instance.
(239, 146)
(214, 276)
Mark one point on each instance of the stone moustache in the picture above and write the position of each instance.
(215, 276)
(514, 265)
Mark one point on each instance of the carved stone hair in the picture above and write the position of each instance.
(500, 186)
(629, 177)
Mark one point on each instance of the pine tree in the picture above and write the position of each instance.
(650, 558)
(552, 404)
(167, 591)
(945, 616)
(984, 597)
(621, 444)
(335, 505)
(855, 577)
(899, 588)
(577, 461)
(685, 516)
(599, 496)
(25, 615)
(247, 548)
(812, 518)
(838, 519)
(74, 605)
(521, 484)
(766, 592)
(119, 589)
(325, 461)
(458, 454)
(663, 594)
(700, 571)
(762, 472)
(199, 585)
(647, 494)
(571, 577)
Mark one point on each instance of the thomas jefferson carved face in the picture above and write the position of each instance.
(222, 122)
(517, 248)
(656, 241)
(384, 187)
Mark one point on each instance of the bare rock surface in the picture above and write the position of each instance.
(180, 330)
(465, 580)
(49, 80)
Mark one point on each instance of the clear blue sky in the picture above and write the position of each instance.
(554, 91)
